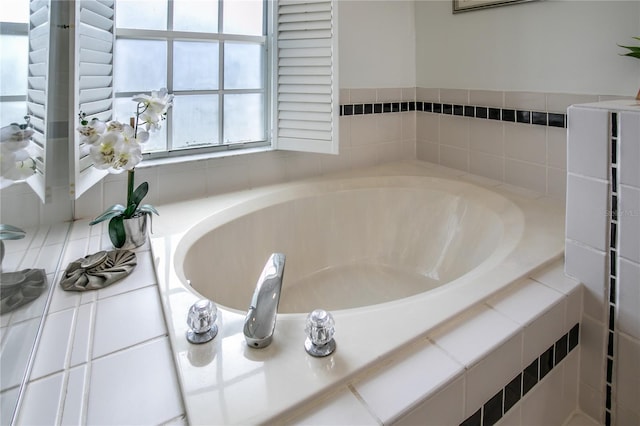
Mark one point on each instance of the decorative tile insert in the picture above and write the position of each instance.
(500, 114)
(613, 277)
(498, 405)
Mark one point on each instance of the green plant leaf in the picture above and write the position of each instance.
(136, 198)
(117, 233)
(148, 209)
(111, 212)
(10, 232)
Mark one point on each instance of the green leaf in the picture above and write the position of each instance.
(117, 233)
(111, 212)
(136, 198)
(148, 209)
(10, 232)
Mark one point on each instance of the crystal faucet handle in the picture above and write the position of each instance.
(320, 328)
(201, 321)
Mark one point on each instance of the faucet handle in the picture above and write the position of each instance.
(201, 321)
(320, 328)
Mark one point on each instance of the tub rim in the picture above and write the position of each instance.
(266, 373)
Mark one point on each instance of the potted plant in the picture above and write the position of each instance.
(116, 147)
(634, 52)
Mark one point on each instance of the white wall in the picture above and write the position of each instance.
(376, 43)
(565, 46)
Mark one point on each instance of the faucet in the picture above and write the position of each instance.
(261, 317)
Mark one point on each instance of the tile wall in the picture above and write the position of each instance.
(603, 251)
(514, 137)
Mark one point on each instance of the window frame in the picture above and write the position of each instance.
(170, 36)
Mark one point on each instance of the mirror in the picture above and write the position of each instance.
(30, 253)
(25, 41)
(29, 270)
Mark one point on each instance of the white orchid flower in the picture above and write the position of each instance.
(127, 158)
(15, 133)
(22, 170)
(90, 133)
(104, 152)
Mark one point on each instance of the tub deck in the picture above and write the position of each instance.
(226, 382)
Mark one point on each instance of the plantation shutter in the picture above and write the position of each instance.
(306, 103)
(38, 81)
(93, 92)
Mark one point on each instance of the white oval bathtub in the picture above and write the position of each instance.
(393, 252)
(352, 242)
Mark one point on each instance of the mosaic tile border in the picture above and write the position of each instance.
(498, 405)
(541, 118)
(613, 278)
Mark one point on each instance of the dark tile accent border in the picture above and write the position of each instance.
(498, 405)
(472, 111)
(613, 272)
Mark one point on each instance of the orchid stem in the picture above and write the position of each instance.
(130, 179)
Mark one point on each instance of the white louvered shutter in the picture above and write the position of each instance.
(38, 87)
(306, 103)
(93, 40)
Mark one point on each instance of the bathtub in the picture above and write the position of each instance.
(391, 251)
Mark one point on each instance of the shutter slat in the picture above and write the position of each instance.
(40, 15)
(95, 44)
(91, 95)
(95, 69)
(305, 116)
(289, 88)
(305, 125)
(306, 52)
(304, 62)
(87, 55)
(305, 106)
(94, 82)
(312, 80)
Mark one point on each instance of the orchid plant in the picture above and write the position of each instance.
(116, 147)
(16, 156)
(634, 51)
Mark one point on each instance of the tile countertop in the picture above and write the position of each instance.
(105, 356)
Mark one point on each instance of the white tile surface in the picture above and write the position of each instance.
(554, 277)
(592, 349)
(443, 408)
(54, 344)
(524, 301)
(541, 334)
(135, 386)
(527, 175)
(589, 267)
(415, 377)
(629, 298)
(491, 374)
(74, 400)
(587, 207)
(8, 405)
(628, 371)
(42, 400)
(588, 136)
(629, 222)
(540, 407)
(629, 148)
(341, 409)
(127, 319)
(475, 332)
(16, 347)
(83, 334)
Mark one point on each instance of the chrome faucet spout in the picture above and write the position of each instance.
(260, 321)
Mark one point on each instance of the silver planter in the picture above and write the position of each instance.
(135, 230)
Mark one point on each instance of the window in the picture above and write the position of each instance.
(244, 73)
(211, 55)
(14, 41)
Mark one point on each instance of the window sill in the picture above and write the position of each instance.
(184, 159)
